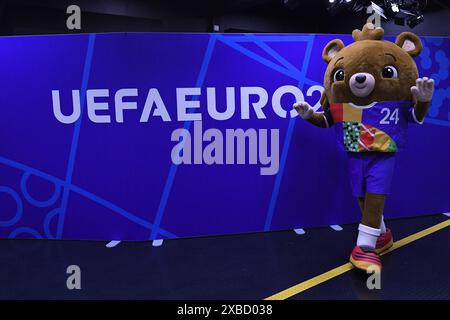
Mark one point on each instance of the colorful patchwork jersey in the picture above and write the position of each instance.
(380, 126)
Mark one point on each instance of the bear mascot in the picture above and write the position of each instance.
(371, 92)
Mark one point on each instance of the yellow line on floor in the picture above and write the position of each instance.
(308, 284)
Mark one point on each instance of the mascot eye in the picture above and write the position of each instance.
(338, 75)
(390, 72)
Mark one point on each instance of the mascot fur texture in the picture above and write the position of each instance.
(372, 91)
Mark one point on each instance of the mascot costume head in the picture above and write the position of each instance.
(372, 91)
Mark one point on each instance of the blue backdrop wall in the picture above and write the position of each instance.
(111, 171)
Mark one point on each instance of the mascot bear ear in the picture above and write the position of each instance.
(410, 43)
(331, 49)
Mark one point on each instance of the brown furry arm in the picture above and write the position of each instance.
(421, 110)
(422, 94)
(319, 120)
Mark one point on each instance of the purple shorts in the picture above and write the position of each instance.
(370, 172)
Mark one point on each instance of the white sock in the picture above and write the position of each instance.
(382, 225)
(367, 236)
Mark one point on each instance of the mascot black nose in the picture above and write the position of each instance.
(361, 78)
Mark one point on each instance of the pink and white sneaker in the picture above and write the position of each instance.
(384, 241)
(364, 258)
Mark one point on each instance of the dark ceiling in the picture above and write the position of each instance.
(308, 16)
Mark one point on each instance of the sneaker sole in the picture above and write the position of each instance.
(363, 265)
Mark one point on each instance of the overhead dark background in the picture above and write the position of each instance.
(22, 17)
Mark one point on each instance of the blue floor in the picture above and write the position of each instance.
(249, 266)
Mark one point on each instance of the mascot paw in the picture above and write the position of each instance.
(423, 90)
(304, 109)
